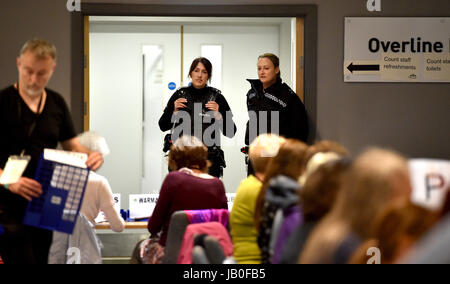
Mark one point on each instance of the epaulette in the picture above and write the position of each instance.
(215, 90)
(181, 90)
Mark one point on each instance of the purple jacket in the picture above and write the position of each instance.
(293, 218)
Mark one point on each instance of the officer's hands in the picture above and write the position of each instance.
(27, 188)
(213, 106)
(179, 104)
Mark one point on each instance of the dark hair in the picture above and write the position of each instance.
(205, 62)
(189, 152)
(275, 60)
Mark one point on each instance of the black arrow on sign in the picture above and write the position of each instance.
(352, 67)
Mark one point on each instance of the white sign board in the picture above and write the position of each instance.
(430, 181)
(397, 50)
(142, 205)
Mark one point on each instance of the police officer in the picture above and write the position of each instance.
(273, 106)
(201, 110)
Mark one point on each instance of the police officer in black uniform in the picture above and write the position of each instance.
(208, 112)
(273, 106)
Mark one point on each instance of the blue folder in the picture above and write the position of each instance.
(63, 191)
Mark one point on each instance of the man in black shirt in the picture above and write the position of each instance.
(32, 118)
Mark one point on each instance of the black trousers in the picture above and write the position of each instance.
(21, 244)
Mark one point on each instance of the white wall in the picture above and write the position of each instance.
(116, 99)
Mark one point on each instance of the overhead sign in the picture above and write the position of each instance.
(397, 50)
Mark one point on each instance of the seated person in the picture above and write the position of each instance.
(242, 218)
(375, 179)
(316, 199)
(396, 232)
(97, 197)
(187, 187)
(278, 194)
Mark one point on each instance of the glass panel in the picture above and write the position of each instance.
(118, 93)
(214, 54)
(151, 157)
(135, 67)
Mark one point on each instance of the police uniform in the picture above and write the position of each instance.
(276, 109)
(201, 121)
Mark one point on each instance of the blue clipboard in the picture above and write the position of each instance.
(63, 189)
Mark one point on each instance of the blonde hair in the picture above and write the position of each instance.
(320, 153)
(262, 149)
(40, 48)
(326, 146)
(315, 162)
(274, 59)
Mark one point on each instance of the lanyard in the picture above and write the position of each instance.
(33, 124)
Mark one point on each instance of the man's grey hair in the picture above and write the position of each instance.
(39, 47)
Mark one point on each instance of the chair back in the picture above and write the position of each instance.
(214, 250)
(214, 229)
(177, 227)
(207, 250)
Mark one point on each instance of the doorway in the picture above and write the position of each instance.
(191, 29)
(137, 63)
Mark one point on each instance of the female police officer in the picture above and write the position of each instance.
(201, 111)
(273, 107)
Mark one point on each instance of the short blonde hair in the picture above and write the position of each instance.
(315, 162)
(262, 149)
(39, 47)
